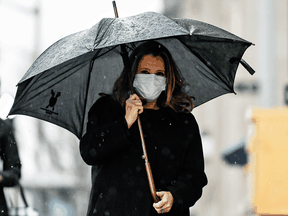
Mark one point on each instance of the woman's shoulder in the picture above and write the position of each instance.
(184, 117)
(188, 119)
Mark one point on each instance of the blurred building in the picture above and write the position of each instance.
(225, 121)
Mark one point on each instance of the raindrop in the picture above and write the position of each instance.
(186, 122)
(165, 151)
(104, 77)
(139, 193)
(107, 213)
(112, 191)
(125, 176)
(186, 88)
(93, 152)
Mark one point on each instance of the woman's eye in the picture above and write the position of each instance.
(160, 74)
(144, 72)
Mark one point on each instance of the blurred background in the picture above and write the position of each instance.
(55, 178)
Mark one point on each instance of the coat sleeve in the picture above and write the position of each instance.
(11, 162)
(107, 132)
(187, 187)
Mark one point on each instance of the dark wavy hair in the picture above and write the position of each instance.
(173, 97)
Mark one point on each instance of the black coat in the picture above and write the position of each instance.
(119, 180)
(11, 162)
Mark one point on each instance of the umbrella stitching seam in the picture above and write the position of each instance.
(99, 30)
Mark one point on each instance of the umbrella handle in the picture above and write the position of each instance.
(151, 182)
(147, 165)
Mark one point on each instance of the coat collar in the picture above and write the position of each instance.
(170, 112)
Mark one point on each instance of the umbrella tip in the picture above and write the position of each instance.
(115, 9)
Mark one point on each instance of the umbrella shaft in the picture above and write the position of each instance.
(147, 164)
(145, 157)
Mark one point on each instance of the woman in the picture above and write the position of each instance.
(112, 143)
(10, 169)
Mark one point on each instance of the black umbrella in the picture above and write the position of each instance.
(64, 81)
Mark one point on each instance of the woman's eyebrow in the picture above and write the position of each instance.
(163, 71)
(144, 68)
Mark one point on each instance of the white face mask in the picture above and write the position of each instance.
(149, 86)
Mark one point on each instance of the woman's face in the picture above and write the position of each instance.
(151, 65)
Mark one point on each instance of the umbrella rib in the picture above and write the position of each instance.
(27, 88)
(133, 46)
(42, 90)
(203, 60)
(34, 80)
(100, 27)
(236, 38)
(88, 83)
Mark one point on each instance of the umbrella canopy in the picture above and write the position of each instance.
(63, 83)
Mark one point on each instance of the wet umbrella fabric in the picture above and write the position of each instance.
(63, 83)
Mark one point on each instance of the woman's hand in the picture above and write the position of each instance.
(166, 202)
(133, 108)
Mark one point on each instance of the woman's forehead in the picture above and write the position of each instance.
(150, 60)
